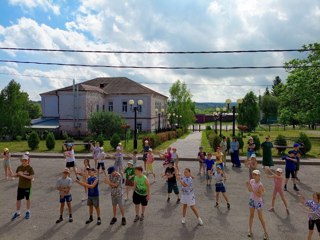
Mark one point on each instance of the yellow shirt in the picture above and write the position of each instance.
(218, 157)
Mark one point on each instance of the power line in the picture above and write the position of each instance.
(152, 67)
(146, 83)
(156, 52)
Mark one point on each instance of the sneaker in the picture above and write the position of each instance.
(15, 216)
(141, 218)
(178, 200)
(99, 222)
(113, 221)
(287, 210)
(228, 205)
(168, 200)
(285, 188)
(89, 221)
(27, 216)
(271, 210)
(59, 220)
(123, 221)
(217, 205)
(136, 219)
(295, 188)
(249, 234)
(183, 221)
(265, 236)
(70, 219)
(200, 221)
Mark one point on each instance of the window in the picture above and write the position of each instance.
(139, 127)
(110, 108)
(103, 108)
(139, 108)
(98, 108)
(124, 107)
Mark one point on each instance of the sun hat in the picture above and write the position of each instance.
(111, 170)
(66, 170)
(253, 156)
(279, 170)
(257, 172)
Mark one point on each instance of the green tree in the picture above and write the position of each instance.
(248, 112)
(269, 106)
(305, 142)
(105, 123)
(33, 140)
(115, 139)
(300, 96)
(181, 104)
(14, 110)
(277, 87)
(34, 110)
(50, 141)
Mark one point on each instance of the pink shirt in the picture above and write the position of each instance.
(255, 186)
(150, 158)
(277, 183)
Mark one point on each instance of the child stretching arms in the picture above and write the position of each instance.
(278, 181)
(219, 176)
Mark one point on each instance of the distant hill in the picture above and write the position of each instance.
(213, 105)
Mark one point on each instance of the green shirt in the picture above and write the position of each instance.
(28, 171)
(129, 172)
(141, 185)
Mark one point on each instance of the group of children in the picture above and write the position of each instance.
(136, 179)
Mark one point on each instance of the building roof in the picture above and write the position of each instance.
(110, 85)
(45, 123)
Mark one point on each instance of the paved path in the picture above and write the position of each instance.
(188, 147)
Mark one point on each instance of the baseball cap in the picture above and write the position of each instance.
(27, 153)
(130, 162)
(92, 169)
(219, 167)
(146, 141)
(111, 170)
(120, 144)
(172, 162)
(257, 172)
(6, 149)
(66, 170)
(279, 170)
(69, 144)
(291, 152)
(25, 157)
(150, 150)
(253, 156)
(101, 148)
(296, 145)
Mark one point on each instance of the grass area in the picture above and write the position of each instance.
(205, 143)
(22, 146)
(290, 134)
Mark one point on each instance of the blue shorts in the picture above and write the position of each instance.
(249, 153)
(67, 198)
(220, 187)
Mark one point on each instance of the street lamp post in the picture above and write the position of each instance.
(239, 101)
(215, 115)
(159, 112)
(135, 110)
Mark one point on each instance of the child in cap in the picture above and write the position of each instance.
(7, 164)
(170, 174)
(175, 158)
(114, 181)
(84, 172)
(141, 193)
(129, 171)
(220, 177)
(63, 185)
(93, 194)
(101, 158)
(118, 163)
(313, 208)
(150, 160)
(146, 147)
(201, 158)
(278, 181)
(25, 173)
(297, 153)
(95, 149)
(70, 158)
(252, 164)
(188, 197)
(219, 160)
(256, 190)
(209, 162)
(290, 169)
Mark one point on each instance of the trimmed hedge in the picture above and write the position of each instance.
(159, 138)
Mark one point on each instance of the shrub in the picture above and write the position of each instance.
(179, 132)
(257, 142)
(305, 143)
(242, 128)
(154, 140)
(65, 135)
(50, 141)
(280, 141)
(100, 140)
(69, 140)
(18, 138)
(208, 127)
(114, 141)
(87, 141)
(33, 140)
(240, 140)
(214, 140)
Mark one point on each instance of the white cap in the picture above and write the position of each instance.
(146, 141)
(257, 172)
(150, 149)
(25, 157)
(279, 170)
(101, 148)
(26, 153)
(253, 156)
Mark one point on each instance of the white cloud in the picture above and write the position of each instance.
(46, 5)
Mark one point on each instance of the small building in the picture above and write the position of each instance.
(72, 106)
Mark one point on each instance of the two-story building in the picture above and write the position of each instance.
(70, 108)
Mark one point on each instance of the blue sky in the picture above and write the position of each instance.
(181, 25)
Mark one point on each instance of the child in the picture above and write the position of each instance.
(95, 148)
(175, 158)
(167, 156)
(84, 173)
(7, 164)
(297, 154)
(219, 177)
(93, 194)
(141, 193)
(64, 186)
(150, 160)
(101, 157)
(290, 170)
(118, 163)
(70, 158)
(219, 160)
(256, 190)
(278, 181)
(134, 158)
(251, 148)
(25, 173)
(129, 171)
(114, 181)
(170, 173)
(252, 164)
(188, 197)
(313, 207)
(201, 158)
(209, 162)
(145, 153)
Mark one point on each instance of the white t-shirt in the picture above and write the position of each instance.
(101, 157)
(71, 158)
